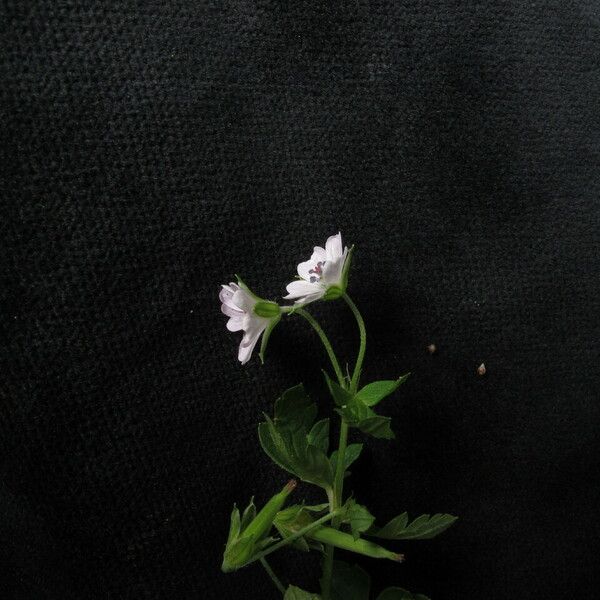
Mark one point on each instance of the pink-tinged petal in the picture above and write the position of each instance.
(251, 335)
(333, 246)
(299, 289)
(243, 300)
(236, 323)
(226, 295)
(304, 268)
(231, 312)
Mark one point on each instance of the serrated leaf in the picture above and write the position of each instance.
(285, 439)
(422, 528)
(396, 593)
(294, 410)
(295, 593)
(349, 583)
(350, 455)
(340, 396)
(318, 436)
(375, 392)
(358, 517)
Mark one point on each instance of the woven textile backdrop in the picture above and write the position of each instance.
(150, 150)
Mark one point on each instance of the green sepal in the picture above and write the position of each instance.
(373, 393)
(346, 269)
(349, 582)
(333, 292)
(424, 527)
(350, 455)
(357, 414)
(340, 395)
(295, 593)
(396, 593)
(265, 338)
(267, 309)
(249, 515)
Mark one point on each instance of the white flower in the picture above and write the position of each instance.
(325, 275)
(250, 314)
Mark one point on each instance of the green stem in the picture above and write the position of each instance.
(338, 482)
(363, 344)
(332, 357)
(294, 536)
(275, 579)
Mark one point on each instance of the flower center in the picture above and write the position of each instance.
(316, 272)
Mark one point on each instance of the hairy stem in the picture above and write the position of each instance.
(274, 578)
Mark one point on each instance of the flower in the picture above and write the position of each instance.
(325, 275)
(250, 314)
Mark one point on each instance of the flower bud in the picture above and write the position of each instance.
(242, 543)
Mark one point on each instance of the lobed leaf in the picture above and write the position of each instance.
(422, 528)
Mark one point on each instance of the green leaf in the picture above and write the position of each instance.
(358, 517)
(422, 528)
(292, 452)
(396, 593)
(292, 442)
(357, 414)
(318, 436)
(295, 593)
(294, 410)
(352, 453)
(375, 392)
(378, 427)
(349, 583)
(340, 396)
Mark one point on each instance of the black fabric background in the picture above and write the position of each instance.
(153, 149)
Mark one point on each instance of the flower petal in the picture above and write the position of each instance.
(226, 295)
(333, 247)
(243, 300)
(332, 271)
(252, 330)
(300, 289)
(236, 322)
